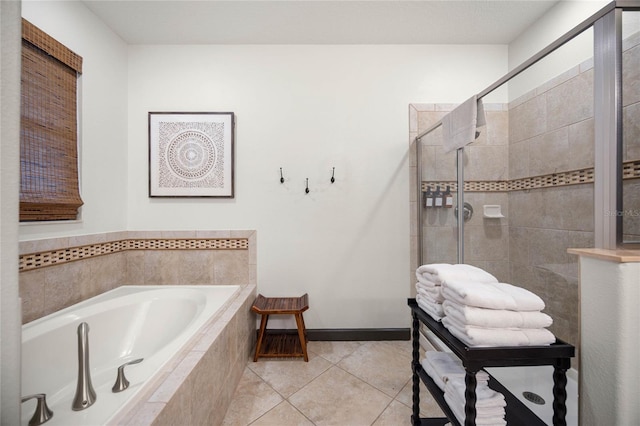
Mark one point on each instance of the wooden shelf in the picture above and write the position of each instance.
(281, 345)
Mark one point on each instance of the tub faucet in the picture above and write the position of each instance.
(85, 395)
(42, 413)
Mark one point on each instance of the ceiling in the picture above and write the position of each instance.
(319, 22)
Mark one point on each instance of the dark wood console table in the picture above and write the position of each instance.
(473, 359)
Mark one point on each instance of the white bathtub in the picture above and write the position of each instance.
(130, 322)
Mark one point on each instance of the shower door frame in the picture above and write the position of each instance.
(607, 53)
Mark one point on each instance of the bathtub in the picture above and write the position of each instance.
(151, 322)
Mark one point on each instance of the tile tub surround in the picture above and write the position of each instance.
(86, 266)
(197, 386)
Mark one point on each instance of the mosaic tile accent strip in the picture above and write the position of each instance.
(630, 170)
(70, 254)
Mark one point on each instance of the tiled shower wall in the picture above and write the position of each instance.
(551, 132)
(535, 158)
(631, 134)
(56, 273)
(486, 240)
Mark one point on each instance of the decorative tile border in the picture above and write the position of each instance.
(630, 170)
(70, 254)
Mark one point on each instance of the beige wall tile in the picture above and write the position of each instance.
(631, 76)
(195, 267)
(32, 294)
(581, 145)
(570, 102)
(230, 267)
(549, 153)
(528, 119)
(631, 132)
(519, 160)
(487, 163)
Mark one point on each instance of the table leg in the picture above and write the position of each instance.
(559, 395)
(415, 363)
(470, 398)
(261, 335)
(302, 335)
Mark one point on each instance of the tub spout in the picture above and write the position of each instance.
(42, 413)
(85, 395)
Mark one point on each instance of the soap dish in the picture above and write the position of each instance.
(492, 211)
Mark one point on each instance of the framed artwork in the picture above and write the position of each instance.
(191, 154)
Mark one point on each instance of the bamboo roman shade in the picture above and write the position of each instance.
(49, 187)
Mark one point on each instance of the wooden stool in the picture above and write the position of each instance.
(281, 344)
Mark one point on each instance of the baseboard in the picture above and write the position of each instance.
(352, 334)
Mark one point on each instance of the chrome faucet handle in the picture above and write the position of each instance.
(121, 382)
(42, 413)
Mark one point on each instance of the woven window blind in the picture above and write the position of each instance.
(49, 187)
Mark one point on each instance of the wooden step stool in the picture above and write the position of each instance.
(272, 345)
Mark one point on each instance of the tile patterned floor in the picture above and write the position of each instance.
(343, 384)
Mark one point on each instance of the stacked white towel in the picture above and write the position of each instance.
(429, 288)
(494, 314)
(444, 366)
(490, 405)
(447, 372)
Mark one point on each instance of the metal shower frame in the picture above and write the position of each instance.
(607, 55)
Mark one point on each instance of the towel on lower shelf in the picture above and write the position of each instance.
(448, 366)
(483, 317)
(442, 272)
(434, 310)
(487, 400)
(485, 336)
(430, 370)
(458, 411)
(492, 296)
(490, 405)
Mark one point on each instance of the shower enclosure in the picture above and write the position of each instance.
(557, 166)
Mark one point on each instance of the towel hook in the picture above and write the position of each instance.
(306, 191)
(333, 173)
(281, 177)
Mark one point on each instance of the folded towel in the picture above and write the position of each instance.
(426, 281)
(486, 337)
(497, 411)
(434, 310)
(460, 125)
(432, 294)
(458, 411)
(492, 296)
(483, 317)
(442, 272)
(447, 366)
(486, 398)
(428, 368)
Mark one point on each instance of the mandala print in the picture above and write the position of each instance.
(191, 155)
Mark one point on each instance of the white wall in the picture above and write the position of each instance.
(9, 183)
(559, 20)
(307, 109)
(103, 116)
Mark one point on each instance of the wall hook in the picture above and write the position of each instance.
(306, 191)
(281, 177)
(333, 174)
